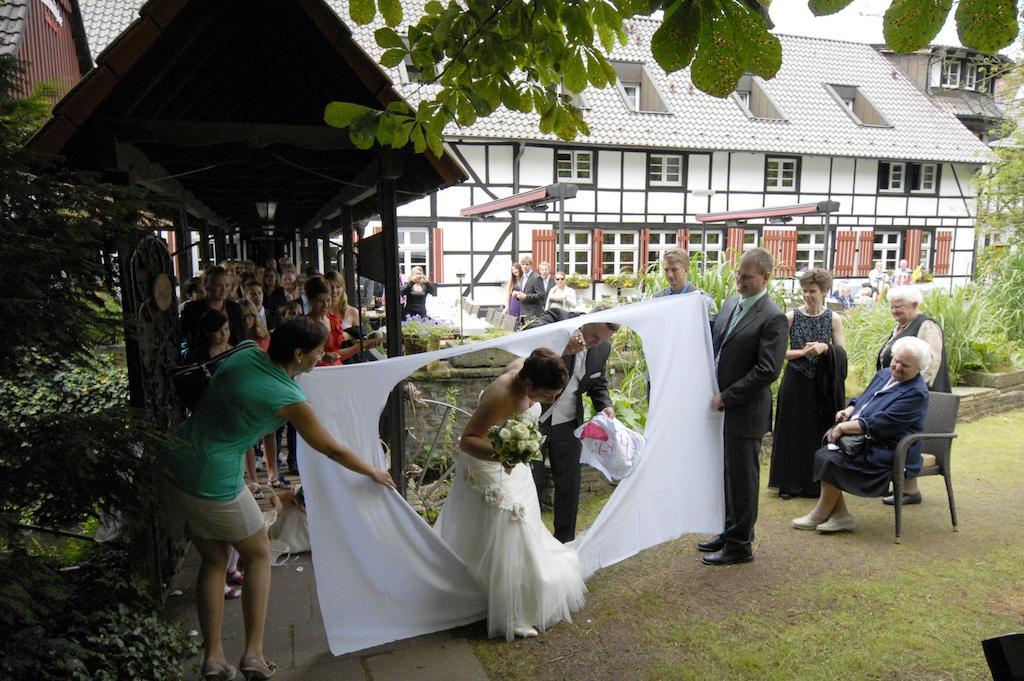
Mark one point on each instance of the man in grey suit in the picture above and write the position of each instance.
(533, 295)
(749, 339)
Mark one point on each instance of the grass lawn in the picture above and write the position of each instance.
(847, 606)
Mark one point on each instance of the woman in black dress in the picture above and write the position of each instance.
(811, 390)
(415, 293)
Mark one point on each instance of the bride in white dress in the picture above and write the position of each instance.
(491, 517)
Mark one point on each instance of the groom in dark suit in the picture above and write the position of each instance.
(749, 339)
(585, 357)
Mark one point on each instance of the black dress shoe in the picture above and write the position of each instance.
(713, 544)
(728, 557)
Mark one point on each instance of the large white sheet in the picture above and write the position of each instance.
(382, 572)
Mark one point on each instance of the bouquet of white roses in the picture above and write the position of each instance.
(516, 441)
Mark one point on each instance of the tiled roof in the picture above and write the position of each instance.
(979, 106)
(815, 124)
(106, 19)
(13, 14)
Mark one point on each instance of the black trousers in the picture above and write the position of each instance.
(742, 483)
(563, 450)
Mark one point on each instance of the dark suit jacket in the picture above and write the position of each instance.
(749, 361)
(536, 296)
(889, 417)
(594, 381)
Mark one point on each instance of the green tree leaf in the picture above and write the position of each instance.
(820, 8)
(362, 11)
(363, 131)
(912, 24)
(388, 37)
(675, 42)
(575, 74)
(342, 114)
(391, 10)
(433, 7)
(419, 138)
(987, 25)
(392, 58)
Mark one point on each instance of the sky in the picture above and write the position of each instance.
(861, 21)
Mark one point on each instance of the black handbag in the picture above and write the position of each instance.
(849, 445)
(191, 380)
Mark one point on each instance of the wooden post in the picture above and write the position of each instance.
(348, 258)
(393, 422)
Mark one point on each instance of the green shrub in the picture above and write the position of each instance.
(972, 326)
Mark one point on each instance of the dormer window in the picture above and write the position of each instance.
(637, 89)
(970, 76)
(857, 106)
(754, 101)
(409, 72)
(951, 74)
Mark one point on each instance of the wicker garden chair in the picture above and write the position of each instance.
(939, 427)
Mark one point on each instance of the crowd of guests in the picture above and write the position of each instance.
(531, 292)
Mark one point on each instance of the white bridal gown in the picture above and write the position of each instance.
(491, 519)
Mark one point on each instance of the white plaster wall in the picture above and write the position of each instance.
(955, 207)
(607, 217)
(747, 172)
(772, 200)
(962, 264)
(485, 235)
(963, 239)
(633, 202)
(453, 199)
(718, 202)
(499, 164)
(695, 205)
(475, 159)
(609, 175)
(418, 208)
(537, 167)
(665, 202)
(634, 170)
(698, 172)
(842, 176)
(609, 202)
(814, 174)
(921, 205)
(741, 201)
(720, 171)
(585, 202)
(862, 205)
(456, 235)
(866, 180)
(892, 205)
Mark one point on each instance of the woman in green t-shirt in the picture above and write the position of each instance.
(253, 393)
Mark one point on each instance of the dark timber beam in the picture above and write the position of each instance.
(210, 133)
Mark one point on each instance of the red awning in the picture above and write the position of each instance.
(765, 213)
(534, 196)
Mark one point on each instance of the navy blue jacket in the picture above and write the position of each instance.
(892, 415)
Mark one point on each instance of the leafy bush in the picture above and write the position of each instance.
(1001, 272)
(972, 326)
(92, 622)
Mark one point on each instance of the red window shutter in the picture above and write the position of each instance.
(775, 242)
(865, 252)
(846, 246)
(596, 247)
(912, 247)
(683, 239)
(734, 244)
(789, 239)
(645, 245)
(544, 247)
(437, 255)
(943, 252)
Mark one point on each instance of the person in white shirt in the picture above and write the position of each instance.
(561, 296)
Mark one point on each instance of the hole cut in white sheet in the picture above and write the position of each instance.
(383, 574)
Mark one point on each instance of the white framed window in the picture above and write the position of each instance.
(970, 76)
(810, 250)
(665, 170)
(780, 174)
(892, 177)
(951, 74)
(660, 243)
(744, 97)
(576, 166)
(413, 249)
(577, 254)
(848, 102)
(619, 252)
(927, 176)
(926, 251)
(631, 91)
(749, 240)
(710, 244)
(887, 249)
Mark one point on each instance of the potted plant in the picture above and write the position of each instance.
(578, 281)
(422, 334)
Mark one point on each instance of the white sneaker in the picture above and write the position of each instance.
(805, 522)
(833, 524)
(525, 632)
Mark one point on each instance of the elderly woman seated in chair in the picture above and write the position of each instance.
(892, 406)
